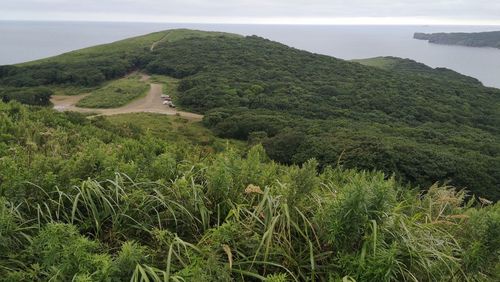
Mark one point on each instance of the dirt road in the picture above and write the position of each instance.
(151, 103)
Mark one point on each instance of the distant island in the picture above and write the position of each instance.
(477, 39)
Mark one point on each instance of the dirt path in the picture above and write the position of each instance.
(153, 46)
(151, 103)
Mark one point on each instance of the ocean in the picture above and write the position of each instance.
(26, 41)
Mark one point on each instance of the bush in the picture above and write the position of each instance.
(38, 96)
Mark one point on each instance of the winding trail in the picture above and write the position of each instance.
(151, 103)
(153, 46)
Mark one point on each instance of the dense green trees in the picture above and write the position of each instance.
(424, 125)
(102, 200)
(27, 95)
(28, 84)
(88, 73)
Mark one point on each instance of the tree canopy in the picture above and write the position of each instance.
(424, 125)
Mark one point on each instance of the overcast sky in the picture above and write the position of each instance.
(259, 11)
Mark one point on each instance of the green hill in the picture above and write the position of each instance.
(424, 125)
(413, 68)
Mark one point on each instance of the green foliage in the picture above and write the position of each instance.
(39, 96)
(355, 208)
(412, 68)
(185, 214)
(420, 123)
(115, 94)
(95, 65)
(481, 238)
(64, 254)
(424, 125)
(168, 128)
(130, 255)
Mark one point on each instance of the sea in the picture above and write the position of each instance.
(22, 41)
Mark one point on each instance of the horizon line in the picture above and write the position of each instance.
(361, 21)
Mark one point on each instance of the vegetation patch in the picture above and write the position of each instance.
(28, 95)
(72, 90)
(380, 62)
(170, 84)
(180, 34)
(115, 94)
(102, 200)
(168, 128)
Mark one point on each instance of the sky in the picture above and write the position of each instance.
(452, 12)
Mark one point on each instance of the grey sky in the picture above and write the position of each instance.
(258, 11)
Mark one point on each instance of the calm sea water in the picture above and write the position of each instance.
(25, 41)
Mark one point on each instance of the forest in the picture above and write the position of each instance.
(425, 125)
(397, 116)
(109, 199)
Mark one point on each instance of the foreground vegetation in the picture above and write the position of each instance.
(111, 200)
(116, 93)
(422, 124)
(169, 129)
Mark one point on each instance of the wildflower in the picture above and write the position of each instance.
(253, 189)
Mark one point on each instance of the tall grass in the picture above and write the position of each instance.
(247, 219)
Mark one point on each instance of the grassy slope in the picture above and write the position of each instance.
(116, 93)
(180, 34)
(139, 43)
(126, 45)
(170, 128)
(386, 63)
(170, 84)
(72, 90)
(411, 67)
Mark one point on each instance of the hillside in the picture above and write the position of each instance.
(145, 197)
(420, 124)
(413, 68)
(477, 39)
